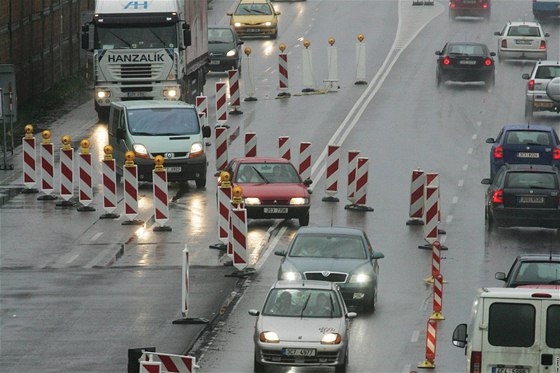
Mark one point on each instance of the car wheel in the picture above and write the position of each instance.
(369, 305)
(344, 366)
(275, 35)
(200, 183)
(258, 366)
(304, 220)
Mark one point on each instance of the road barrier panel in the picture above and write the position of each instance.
(249, 75)
(436, 262)
(130, 181)
(29, 146)
(234, 94)
(360, 61)
(109, 172)
(250, 144)
(432, 179)
(304, 166)
(284, 148)
(333, 161)
(283, 72)
(361, 187)
(161, 201)
(202, 109)
(416, 210)
(437, 304)
(85, 174)
(150, 367)
(431, 340)
(238, 233)
(224, 203)
(430, 229)
(351, 170)
(66, 173)
(221, 145)
(221, 104)
(332, 66)
(171, 363)
(307, 64)
(47, 167)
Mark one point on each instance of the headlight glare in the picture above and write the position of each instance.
(269, 337)
(237, 24)
(298, 201)
(252, 201)
(231, 53)
(331, 339)
(360, 278)
(291, 276)
(140, 151)
(268, 23)
(196, 150)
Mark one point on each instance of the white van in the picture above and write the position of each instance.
(512, 330)
(157, 127)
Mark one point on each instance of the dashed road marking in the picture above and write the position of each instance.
(96, 236)
(415, 336)
(461, 183)
(470, 151)
(454, 200)
(449, 219)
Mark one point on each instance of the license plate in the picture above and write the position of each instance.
(524, 42)
(252, 30)
(530, 199)
(467, 62)
(136, 94)
(543, 104)
(469, 1)
(275, 210)
(214, 62)
(172, 170)
(299, 351)
(509, 370)
(528, 155)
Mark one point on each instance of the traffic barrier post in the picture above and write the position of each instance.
(130, 187)
(417, 184)
(352, 167)
(283, 72)
(224, 204)
(221, 146)
(304, 167)
(307, 65)
(431, 338)
(284, 148)
(436, 262)
(171, 362)
(249, 76)
(109, 172)
(360, 61)
(150, 367)
(331, 187)
(250, 144)
(202, 109)
(29, 146)
(430, 216)
(437, 304)
(432, 179)
(361, 187)
(235, 96)
(161, 202)
(66, 173)
(238, 234)
(47, 167)
(332, 66)
(221, 104)
(85, 183)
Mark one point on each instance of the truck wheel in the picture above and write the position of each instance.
(102, 112)
(200, 183)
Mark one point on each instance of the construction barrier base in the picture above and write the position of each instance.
(250, 99)
(429, 247)
(191, 320)
(235, 112)
(162, 228)
(109, 216)
(356, 207)
(430, 280)
(244, 273)
(426, 364)
(284, 95)
(218, 246)
(132, 222)
(330, 199)
(360, 82)
(29, 191)
(441, 231)
(46, 197)
(221, 125)
(65, 204)
(85, 208)
(437, 316)
(415, 222)
(305, 90)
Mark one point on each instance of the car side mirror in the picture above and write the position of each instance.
(486, 181)
(525, 76)
(351, 315)
(307, 182)
(206, 132)
(240, 42)
(500, 276)
(546, 35)
(460, 335)
(498, 33)
(277, 12)
(492, 54)
(438, 53)
(229, 14)
(120, 133)
(490, 140)
(377, 255)
(280, 252)
(254, 312)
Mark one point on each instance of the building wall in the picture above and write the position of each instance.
(41, 38)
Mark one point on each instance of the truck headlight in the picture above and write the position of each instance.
(171, 93)
(196, 150)
(231, 53)
(360, 278)
(298, 201)
(331, 339)
(140, 151)
(269, 337)
(252, 201)
(102, 93)
(291, 276)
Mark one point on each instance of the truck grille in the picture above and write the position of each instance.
(137, 71)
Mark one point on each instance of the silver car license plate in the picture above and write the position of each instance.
(524, 42)
(173, 170)
(509, 370)
(299, 351)
(275, 210)
(527, 155)
(530, 199)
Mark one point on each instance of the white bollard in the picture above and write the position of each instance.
(202, 109)
(130, 180)
(109, 171)
(361, 186)
(360, 61)
(304, 168)
(221, 104)
(249, 75)
(29, 146)
(235, 96)
(332, 63)
(284, 148)
(352, 166)
(250, 144)
(47, 167)
(333, 160)
(307, 65)
(283, 72)
(221, 145)
(66, 173)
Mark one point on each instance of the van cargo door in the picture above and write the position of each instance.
(550, 337)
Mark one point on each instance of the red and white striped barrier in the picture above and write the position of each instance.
(431, 338)
(331, 186)
(239, 236)
(66, 172)
(284, 148)
(307, 64)
(29, 146)
(304, 168)
(352, 167)
(250, 144)
(171, 363)
(85, 183)
(431, 214)
(416, 209)
(109, 172)
(185, 289)
(283, 72)
(437, 304)
(161, 202)
(360, 61)
(150, 367)
(224, 203)
(432, 179)
(221, 146)
(249, 75)
(202, 109)
(221, 104)
(234, 94)
(361, 186)
(130, 190)
(436, 262)
(47, 167)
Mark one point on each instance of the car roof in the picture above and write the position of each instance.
(520, 23)
(518, 293)
(260, 160)
(254, 2)
(301, 284)
(525, 127)
(548, 62)
(330, 230)
(529, 167)
(150, 104)
(466, 43)
(538, 257)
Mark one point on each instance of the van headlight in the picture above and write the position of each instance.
(102, 93)
(140, 151)
(196, 150)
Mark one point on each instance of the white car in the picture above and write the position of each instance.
(302, 323)
(522, 40)
(543, 88)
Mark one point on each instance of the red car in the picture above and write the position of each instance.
(471, 8)
(272, 188)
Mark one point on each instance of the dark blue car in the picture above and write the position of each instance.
(521, 143)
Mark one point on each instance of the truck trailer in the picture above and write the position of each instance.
(147, 49)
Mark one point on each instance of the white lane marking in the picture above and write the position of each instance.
(415, 336)
(469, 152)
(461, 183)
(406, 368)
(443, 239)
(72, 258)
(270, 248)
(455, 200)
(479, 123)
(449, 219)
(465, 167)
(99, 256)
(96, 236)
(475, 136)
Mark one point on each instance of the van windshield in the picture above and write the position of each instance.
(163, 122)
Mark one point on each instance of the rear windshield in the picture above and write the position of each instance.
(511, 325)
(163, 122)
(466, 50)
(528, 137)
(524, 31)
(541, 180)
(552, 329)
(548, 72)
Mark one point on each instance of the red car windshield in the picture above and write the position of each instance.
(266, 173)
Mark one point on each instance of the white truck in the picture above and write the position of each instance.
(147, 49)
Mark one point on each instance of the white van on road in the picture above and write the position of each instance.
(512, 330)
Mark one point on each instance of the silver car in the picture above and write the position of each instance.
(337, 254)
(302, 323)
(543, 88)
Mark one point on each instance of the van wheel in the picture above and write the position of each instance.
(200, 183)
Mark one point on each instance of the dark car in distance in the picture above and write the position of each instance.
(469, 8)
(224, 49)
(532, 270)
(521, 143)
(523, 195)
(465, 62)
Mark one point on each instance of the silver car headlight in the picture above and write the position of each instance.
(231, 53)
(331, 339)
(252, 201)
(269, 337)
(299, 201)
(291, 276)
(360, 278)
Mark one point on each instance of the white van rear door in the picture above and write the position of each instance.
(550, 337)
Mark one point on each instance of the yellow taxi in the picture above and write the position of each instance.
(255, 18)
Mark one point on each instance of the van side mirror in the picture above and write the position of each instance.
(206, 132)
(187, 37)
(85, 37)
(120, 133)
(307, 182)
(280, 252)
(460, 335)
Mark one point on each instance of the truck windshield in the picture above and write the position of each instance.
(163, 122)
(135, 37)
